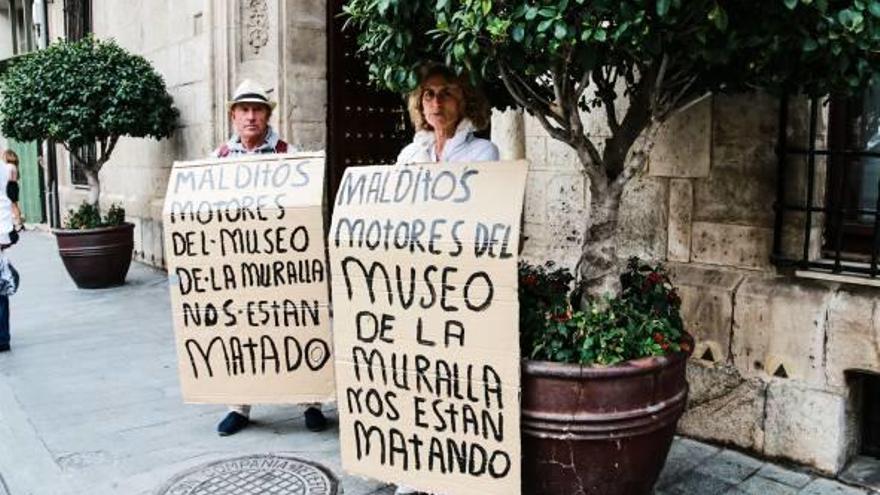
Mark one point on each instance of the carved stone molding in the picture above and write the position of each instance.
(257, 25)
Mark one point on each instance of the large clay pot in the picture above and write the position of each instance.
(600, 430)
(97, 258)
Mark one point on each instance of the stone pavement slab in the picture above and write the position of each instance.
(696, 468)
(864, 471)
(785, 476)
(90, 403)
(762, 486)
(730, 466)
(827, 487)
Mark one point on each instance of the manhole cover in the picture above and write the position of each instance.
(275, 474)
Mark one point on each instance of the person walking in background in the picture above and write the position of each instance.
(8, 237)
(250, 110)
(11, 158)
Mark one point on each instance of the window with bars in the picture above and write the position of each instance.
(77, 19)
(77, 172)
(828, 190)
(77, 25)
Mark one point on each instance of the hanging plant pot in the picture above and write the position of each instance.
(600, 430)
(97, 258)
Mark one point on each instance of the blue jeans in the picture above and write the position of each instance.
(4, 320)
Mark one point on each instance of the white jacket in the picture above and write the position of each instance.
(461, 147)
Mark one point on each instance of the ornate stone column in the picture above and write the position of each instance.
(281, 44)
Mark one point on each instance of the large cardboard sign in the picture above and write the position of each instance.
(244, 245)
(426, 324)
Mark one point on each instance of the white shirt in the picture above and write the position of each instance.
(6, 225)
(463, 146)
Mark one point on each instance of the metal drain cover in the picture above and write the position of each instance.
(275, 474)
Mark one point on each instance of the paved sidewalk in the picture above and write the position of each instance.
(90, 404)
(695, 468)
(89, 398)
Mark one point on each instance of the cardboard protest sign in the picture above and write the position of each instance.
(244, 245)
(426, 324)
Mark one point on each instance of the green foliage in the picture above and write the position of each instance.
(543, 291)
(635, 61)
(115, 215)
(84, 92)
(88, 216)
(643, 320)
(814, 46)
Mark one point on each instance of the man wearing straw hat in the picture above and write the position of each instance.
(249, 110)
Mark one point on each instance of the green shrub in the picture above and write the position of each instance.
(643, 320)
(85, 92)
(88, 216)
(115, 215)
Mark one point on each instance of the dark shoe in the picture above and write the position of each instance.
(315, 420)
(232, 424)
(5, 348)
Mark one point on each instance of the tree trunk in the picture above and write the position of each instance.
(94, 186)
(599, 268)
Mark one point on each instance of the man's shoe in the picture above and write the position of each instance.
(315, 420)
(5, 348)
(232, 424)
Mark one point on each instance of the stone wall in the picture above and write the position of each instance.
(173, 36)
(204, 49)
(6, 28)
(770, 372)
(557, 194)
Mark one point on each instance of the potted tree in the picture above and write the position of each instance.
(630, 65)
(86, 95)
(603, 386)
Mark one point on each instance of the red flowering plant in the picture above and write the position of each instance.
(643, 320)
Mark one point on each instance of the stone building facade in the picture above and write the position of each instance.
(203, 49)
(780, 356)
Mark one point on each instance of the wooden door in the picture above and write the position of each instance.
(365, 126)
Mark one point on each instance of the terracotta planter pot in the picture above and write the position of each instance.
(599, 431)
(96, 258)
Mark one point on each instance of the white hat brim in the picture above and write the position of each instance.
(270, 104)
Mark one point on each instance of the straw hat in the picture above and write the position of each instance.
(249, 91)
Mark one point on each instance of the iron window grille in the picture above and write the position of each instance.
(828, 186)
(77, 25)
(77, 171)
(21, 24)
(77, 19)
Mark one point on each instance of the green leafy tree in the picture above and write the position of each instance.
(632, 62)
(84, 92)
